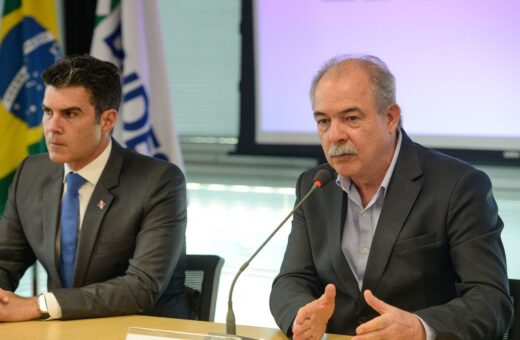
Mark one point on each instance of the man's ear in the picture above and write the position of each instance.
(108, 120)
(393, 115)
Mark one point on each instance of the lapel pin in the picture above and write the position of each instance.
(101, 204)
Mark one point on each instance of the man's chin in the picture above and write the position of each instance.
(343, 168)
(57, 158)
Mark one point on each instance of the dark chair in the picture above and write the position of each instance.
(202, 279)
(514, 331)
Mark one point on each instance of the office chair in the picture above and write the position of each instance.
(202, 279)
(514, 331)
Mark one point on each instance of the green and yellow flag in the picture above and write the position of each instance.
(28, 44)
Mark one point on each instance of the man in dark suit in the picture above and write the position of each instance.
(406, 244)
(130, 212)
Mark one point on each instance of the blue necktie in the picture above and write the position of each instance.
(69, 228)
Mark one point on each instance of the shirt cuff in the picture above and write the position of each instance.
(53, 306)
(430, 332)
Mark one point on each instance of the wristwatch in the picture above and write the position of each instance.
(42, 306)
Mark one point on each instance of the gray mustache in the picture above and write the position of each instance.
(342, 149)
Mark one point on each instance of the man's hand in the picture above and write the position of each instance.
(311, 320)
(17, 308)
(393, 323)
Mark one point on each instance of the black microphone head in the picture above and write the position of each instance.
(322, 178)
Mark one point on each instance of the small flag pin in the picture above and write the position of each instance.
(101, 204)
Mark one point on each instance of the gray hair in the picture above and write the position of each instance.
(381, 79)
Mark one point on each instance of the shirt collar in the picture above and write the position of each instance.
(345, 182)
(92, 171)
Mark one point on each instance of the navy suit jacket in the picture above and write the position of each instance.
(131, 249)
(436, 251)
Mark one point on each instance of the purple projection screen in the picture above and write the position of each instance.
(457, 65)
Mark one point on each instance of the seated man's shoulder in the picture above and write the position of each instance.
(39, 164)
(437, 160)
(438, 168)
(134, 161)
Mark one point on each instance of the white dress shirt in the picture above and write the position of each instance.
(91, 172)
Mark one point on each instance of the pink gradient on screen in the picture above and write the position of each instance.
(457, 62)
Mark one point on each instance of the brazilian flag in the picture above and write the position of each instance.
(28, 45)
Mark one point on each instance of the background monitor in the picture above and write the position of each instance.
(457, 65)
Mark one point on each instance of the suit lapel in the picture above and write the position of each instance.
(399, 200)
(98, 206)
(50, 212)
(337, 199)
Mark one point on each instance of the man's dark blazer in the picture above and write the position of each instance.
(436, 251)
(131, 249)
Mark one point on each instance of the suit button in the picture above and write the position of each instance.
(362, 320)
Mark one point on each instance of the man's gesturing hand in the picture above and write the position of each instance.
(393, 323)
(311, 320)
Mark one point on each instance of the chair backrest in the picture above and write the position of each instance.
(202, 279)
(514, 290)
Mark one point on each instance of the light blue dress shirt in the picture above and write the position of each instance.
(361, 222)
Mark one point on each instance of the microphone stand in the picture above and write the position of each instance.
(230, 318)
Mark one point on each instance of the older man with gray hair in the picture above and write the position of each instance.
(406, 245)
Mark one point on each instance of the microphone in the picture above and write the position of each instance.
(321, 179)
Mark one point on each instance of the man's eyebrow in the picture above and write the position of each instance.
(71, 108)
(347, 110)
(352, 109)
(318, 113)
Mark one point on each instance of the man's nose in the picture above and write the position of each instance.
(52, 123)
(337, 133)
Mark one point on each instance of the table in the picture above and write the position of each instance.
(115, 328)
